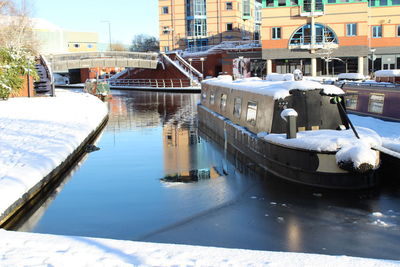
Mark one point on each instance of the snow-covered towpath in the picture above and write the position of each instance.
(38, 134)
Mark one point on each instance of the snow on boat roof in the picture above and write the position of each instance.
(351, 76)
(387, 73)
(276, 87)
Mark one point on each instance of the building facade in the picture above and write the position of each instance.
(198, 23)
(331, 36)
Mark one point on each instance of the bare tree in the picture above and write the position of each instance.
(118, 47)
(144, 43)
(326, 54)
(16, 26)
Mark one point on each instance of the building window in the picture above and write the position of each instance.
(212, 99)
(270, 3)
(251, 112)
(398, 31)
(276, 32)
(229, 6)
(229, 27)
(376, 103)
(246, 8)
(281, 2)
(323, 35)
(76, 45)
(204, 96)
(223, 102)
(166, 48)
(165, 10)
(351, 29)
(89, 46)
(377, 31)
(351, 100)
(237, 107)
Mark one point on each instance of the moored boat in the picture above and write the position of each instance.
(99, 88)
(297, 130)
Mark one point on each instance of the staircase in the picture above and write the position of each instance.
(186, 68)
(44, 85)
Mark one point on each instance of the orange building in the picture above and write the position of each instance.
(198, 23)
(330, 36)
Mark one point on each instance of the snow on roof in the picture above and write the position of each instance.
(32, 249)
(387, 73)
(38, 134)
(351, 76)
(276, 89)
(344, 142)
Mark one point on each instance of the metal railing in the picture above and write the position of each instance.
(156, 83)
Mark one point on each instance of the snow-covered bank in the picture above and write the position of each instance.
(27, 249)
(38, 134)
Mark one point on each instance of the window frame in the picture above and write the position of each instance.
(229, 6)
(231, 26)
(351, 100)
(237, 107)
(223, 102)
(375, 101)
(374, 31)
(398, 31)
(251, 120)
(165, 10)
(350, 32)
(212, 98)
(276, 33)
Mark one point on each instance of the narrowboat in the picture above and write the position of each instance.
(378, 98)
(297, 130)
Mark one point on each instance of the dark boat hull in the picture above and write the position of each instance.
(296, 165)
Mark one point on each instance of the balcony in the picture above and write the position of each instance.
(306, 8)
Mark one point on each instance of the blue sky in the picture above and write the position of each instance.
(127, 17)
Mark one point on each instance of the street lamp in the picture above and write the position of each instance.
(373, 59)
(109, 31)
(202, 65)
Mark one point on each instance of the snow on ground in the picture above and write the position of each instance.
(27, 249)
(38, 134)
(389, 131)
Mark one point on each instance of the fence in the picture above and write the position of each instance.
(156, 83)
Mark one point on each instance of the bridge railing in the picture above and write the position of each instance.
(109, 54)
(156, 83)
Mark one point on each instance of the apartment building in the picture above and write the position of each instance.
(330, 36)
(198, 23)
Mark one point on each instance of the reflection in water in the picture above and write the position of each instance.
(117, 192)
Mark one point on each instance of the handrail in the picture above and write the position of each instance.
(192, 69)
(49, 72)
(156, 83)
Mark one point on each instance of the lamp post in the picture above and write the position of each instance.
(202, 65)
(373, 59)
(109, 32)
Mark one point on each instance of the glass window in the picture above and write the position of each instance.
(331, 1)
(383, 2)
(229, 27)
(166, 48)
(204, 96)
(229, 6)
(281, 2)
(237, 107)
(246, 8)
(165, 10)
(303, 35)
(223, 102)
(212, 99)
(251, 112)
(398, 31)
(270, 3)
(276, 32)
(76, 45)
(376, 102)
(395, 2)
(351, 101)
(377, 31)
(351, 29)
(89, 46)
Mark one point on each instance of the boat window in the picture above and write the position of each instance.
(204, 96)
(251, 112)
(223, 102)
(376, 103)
(237, 107)
(351, 101)
(212, 99)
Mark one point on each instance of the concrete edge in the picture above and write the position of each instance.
(152, 89)
(54, 176)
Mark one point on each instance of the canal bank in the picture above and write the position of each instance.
(41, 138)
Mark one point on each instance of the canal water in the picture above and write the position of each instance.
(157, 178)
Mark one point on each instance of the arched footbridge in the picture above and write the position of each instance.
(64, 62)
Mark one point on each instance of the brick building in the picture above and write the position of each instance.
(199, 23)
